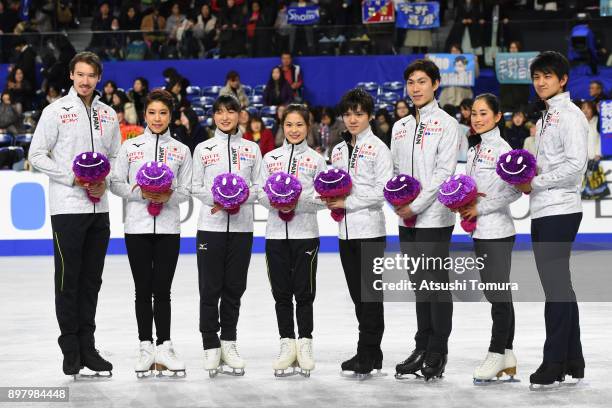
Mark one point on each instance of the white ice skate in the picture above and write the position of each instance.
(146, 360)
(231, 358)
(305, 356)
(287, 359)
(212, 361)
(494, 367)
(167, 363)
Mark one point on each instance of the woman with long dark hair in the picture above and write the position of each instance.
(278, 91)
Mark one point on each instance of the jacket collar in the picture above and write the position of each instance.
(491, 136)
(224, 136)
(428, 109)
(558, 100)
(360, 137)
(297, 148)
(73, 94)
(163, 137)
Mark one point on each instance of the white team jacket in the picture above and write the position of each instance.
(428, 152)
(304, 163)
(224, 154)
(561, 152)
(64, 130)
(494, 218)
(370, 167)
(132, 155)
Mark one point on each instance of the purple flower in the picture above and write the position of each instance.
(283, 190)
(91, 167)
(516, 167)
(333, 183)
(401, 190)
(230, 191)
(456, 192)
(154, 177)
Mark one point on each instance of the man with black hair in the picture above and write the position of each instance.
(224, 238)
(362, 229)
(556, 212)
(425, 145)
(26, 60)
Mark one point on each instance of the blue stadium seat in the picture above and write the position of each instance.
(247, 89)
(370, 87)
(200, 112)
(6, 139)
(193, 93)
(259, 89)
(269, 111)
(395, 87)
(206, 102)
(253, 110)
(268, 122)
(388, 97)
(256, 101)
(389, 107)
(23, 139)
(212, 91)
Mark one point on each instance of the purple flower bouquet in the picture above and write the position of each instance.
(516, 167)
(333, 183)
(154, 177)
(230, 191)
(402, 190)
(91, 167)
(456, 192)
(283, 190)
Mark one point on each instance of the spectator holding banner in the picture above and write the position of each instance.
(453, 95)
(419, 39)
(513, 96)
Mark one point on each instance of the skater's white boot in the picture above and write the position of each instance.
(286, 358)
(166, 360)
(212, 361)
(510, 364)
(305, 356)
(494, 366)
(231, 358)
(145, 364)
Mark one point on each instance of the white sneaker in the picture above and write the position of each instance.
(287, 355)
(166, 358)
(492, 367)
(230, 355)
(305, 354)
(146, 359)
(212, 358)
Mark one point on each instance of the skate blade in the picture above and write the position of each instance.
(93, 375)
(171, 374)
(213, 373)
(495, 381)
(236, 372)
(304, 373)
(289, 372)
(557, 385)
(404, 377)
(143, 375)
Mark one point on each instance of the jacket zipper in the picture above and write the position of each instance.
(289, 172)
(155, 155)
(90, 132)
(544, 117)
(229, 162)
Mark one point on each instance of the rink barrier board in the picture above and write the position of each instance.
(329, 244)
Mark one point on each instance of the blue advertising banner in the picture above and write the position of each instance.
(605, 127)
(307, 15)
(513, 67)
(417, 16)
(377, 11)
(455, 69)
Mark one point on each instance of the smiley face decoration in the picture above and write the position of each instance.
(230, 191)
(154, 177)
(91, 167)
(516, 167)
(333, 183)
(457, 192)
(402, 190)
(283, 191)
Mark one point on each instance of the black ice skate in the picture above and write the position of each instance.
(434, 365)
(549, 375)
(72, 363)
(362, 365)
(99, 367)
(410, 366)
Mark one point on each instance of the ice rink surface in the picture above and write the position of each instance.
(29, 355)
